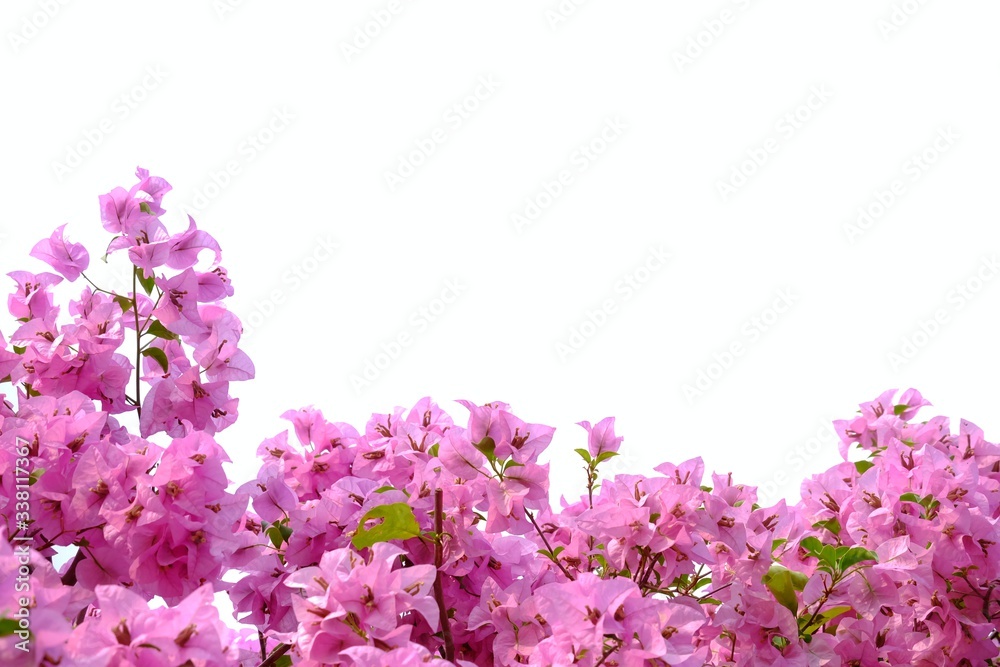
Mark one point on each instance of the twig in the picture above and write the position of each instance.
(608, 650)
(138, 344)
(548, 546)
(449, 643)
(69, 577)
(272, 659)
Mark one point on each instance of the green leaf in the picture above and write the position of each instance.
(8, 626)
(812, 545)
(510, 463)
(584, 454)
(681, 581)
(283, 661)
(829, 614)
(123, 302)
(274, 532)
(829, 524)
(157, 329)
(910, 498)
(432, 451)
(709, 601)
(929, 503)
(863, 466)
(147, 283)
(398, 523)
(383, 489)
(779, 581)
(487, 446)
(899, 409)
(777, 543)
(799, 580)
(159, 355)
(604, 456)
(144, 207)
(18, 349)
(829, 557)
(854, 556)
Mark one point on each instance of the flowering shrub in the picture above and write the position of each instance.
(418, 541)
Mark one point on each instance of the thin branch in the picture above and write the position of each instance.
(608, 650)
(713, 591)
(69, 578)
(272, 659)
(548, 546)
(449, 642)
(138, 344)
(95, 286)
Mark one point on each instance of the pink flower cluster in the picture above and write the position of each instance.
(419, 541)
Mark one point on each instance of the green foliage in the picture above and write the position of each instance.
(488, 447)
(863, 466)
(147, 283)
(8, 626)
(398, 523)
(159, 355)
(779, 581)
(157, 329)
(836, 559)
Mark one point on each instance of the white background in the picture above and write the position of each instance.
(92, 91)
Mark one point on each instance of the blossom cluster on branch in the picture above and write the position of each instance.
(419, 541)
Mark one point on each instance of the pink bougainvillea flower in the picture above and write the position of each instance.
(120, 209)
(33, 297)
(176, 405)
(909, 403)
(128, 632)
(184, 247)
(69, 259)
(178, 309)
(601, 437)
(149, 256)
